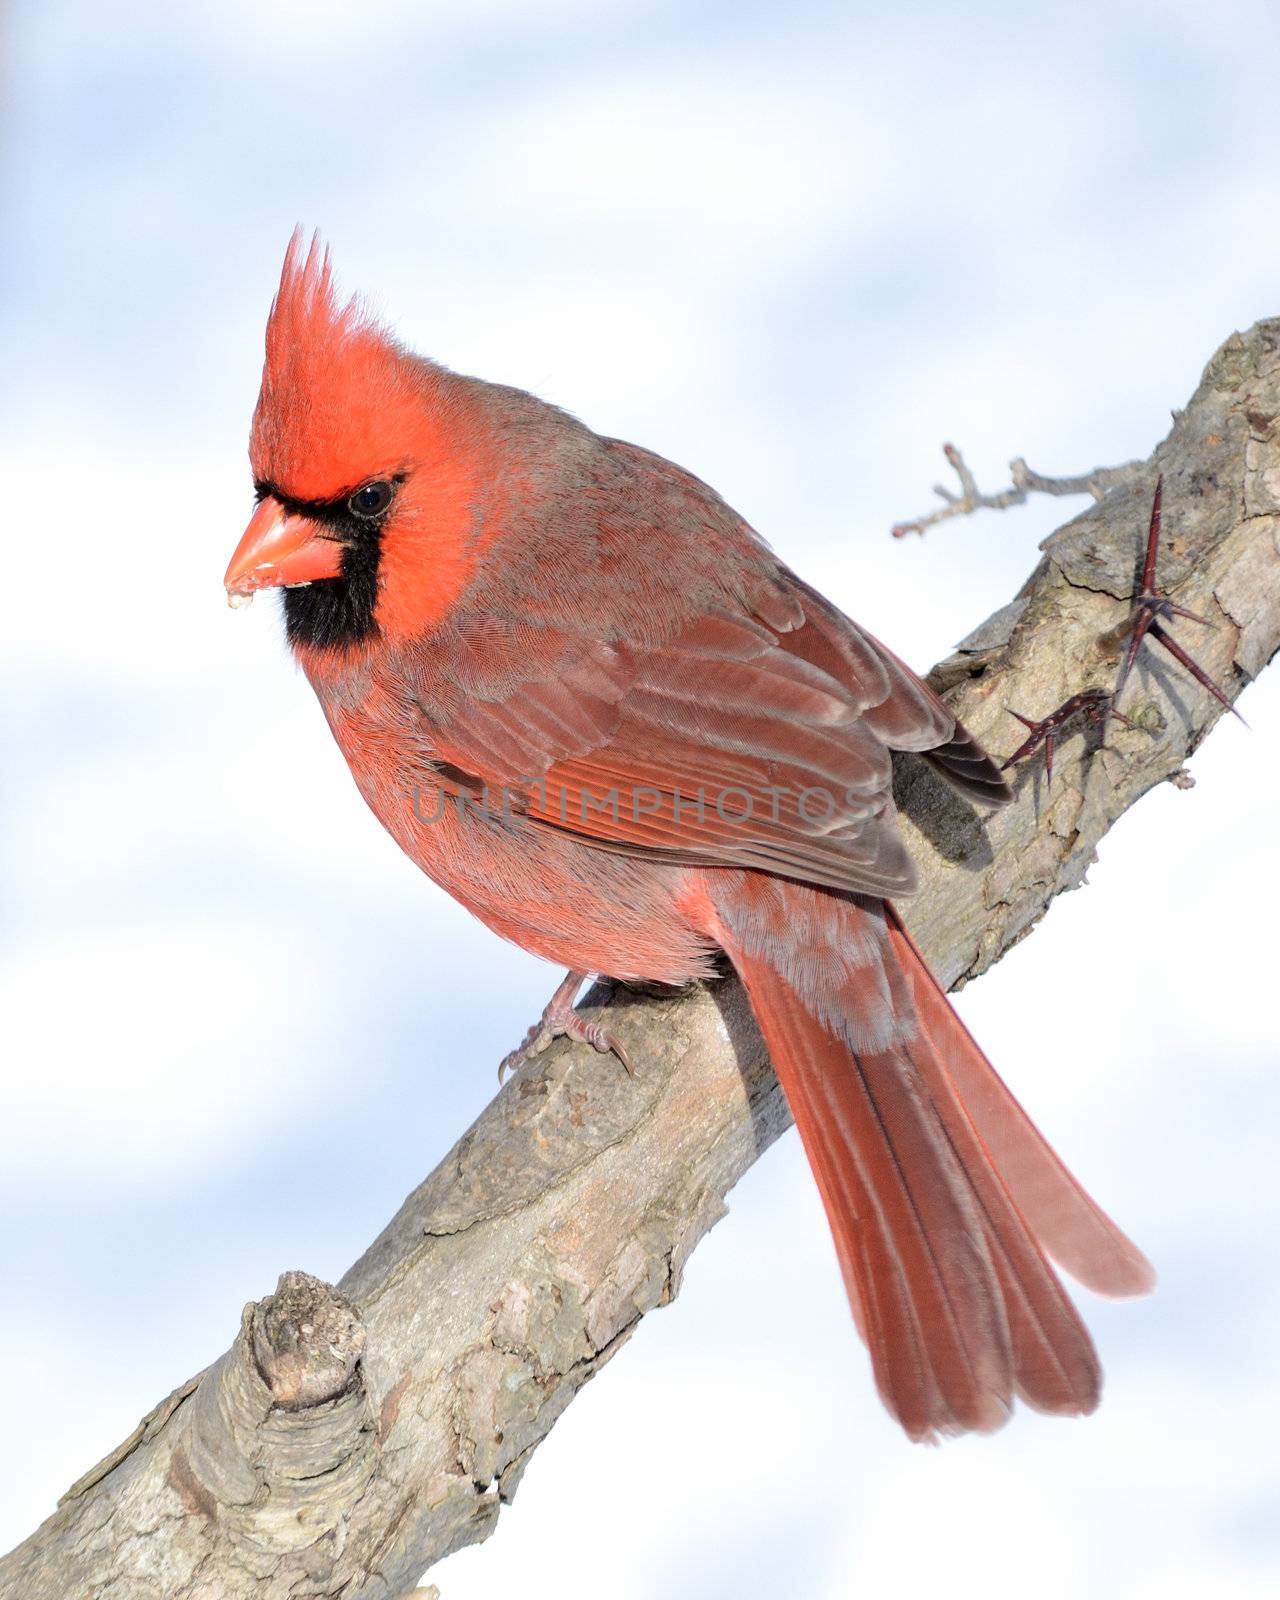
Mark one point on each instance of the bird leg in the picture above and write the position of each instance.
(1151, 610)
(560, 1020)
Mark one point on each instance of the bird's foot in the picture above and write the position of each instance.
(561, 1021)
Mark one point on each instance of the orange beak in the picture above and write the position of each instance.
(281, 549)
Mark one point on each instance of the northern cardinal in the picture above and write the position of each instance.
(588, 700)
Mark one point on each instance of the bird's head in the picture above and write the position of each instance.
(365, 460)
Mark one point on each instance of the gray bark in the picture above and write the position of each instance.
(352, 1436)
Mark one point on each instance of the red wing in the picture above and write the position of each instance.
(755, 739)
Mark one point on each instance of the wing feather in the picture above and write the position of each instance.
(758, 734)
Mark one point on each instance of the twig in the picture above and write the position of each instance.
(1025, 482)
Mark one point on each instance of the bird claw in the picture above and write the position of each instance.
(533, 1044)
(1152, 608)
(561, 1021)
(598, 1036)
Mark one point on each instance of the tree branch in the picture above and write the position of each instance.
(351, 1437)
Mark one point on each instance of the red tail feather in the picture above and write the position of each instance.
(942, 1195)
(1067, 1221)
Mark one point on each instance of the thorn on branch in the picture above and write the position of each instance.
(1095, 705)
(1151, 608)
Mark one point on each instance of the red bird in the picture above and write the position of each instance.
(587, 699)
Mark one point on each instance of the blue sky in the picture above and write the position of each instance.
(795, 249)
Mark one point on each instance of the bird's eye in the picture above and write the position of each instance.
(371, 499)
